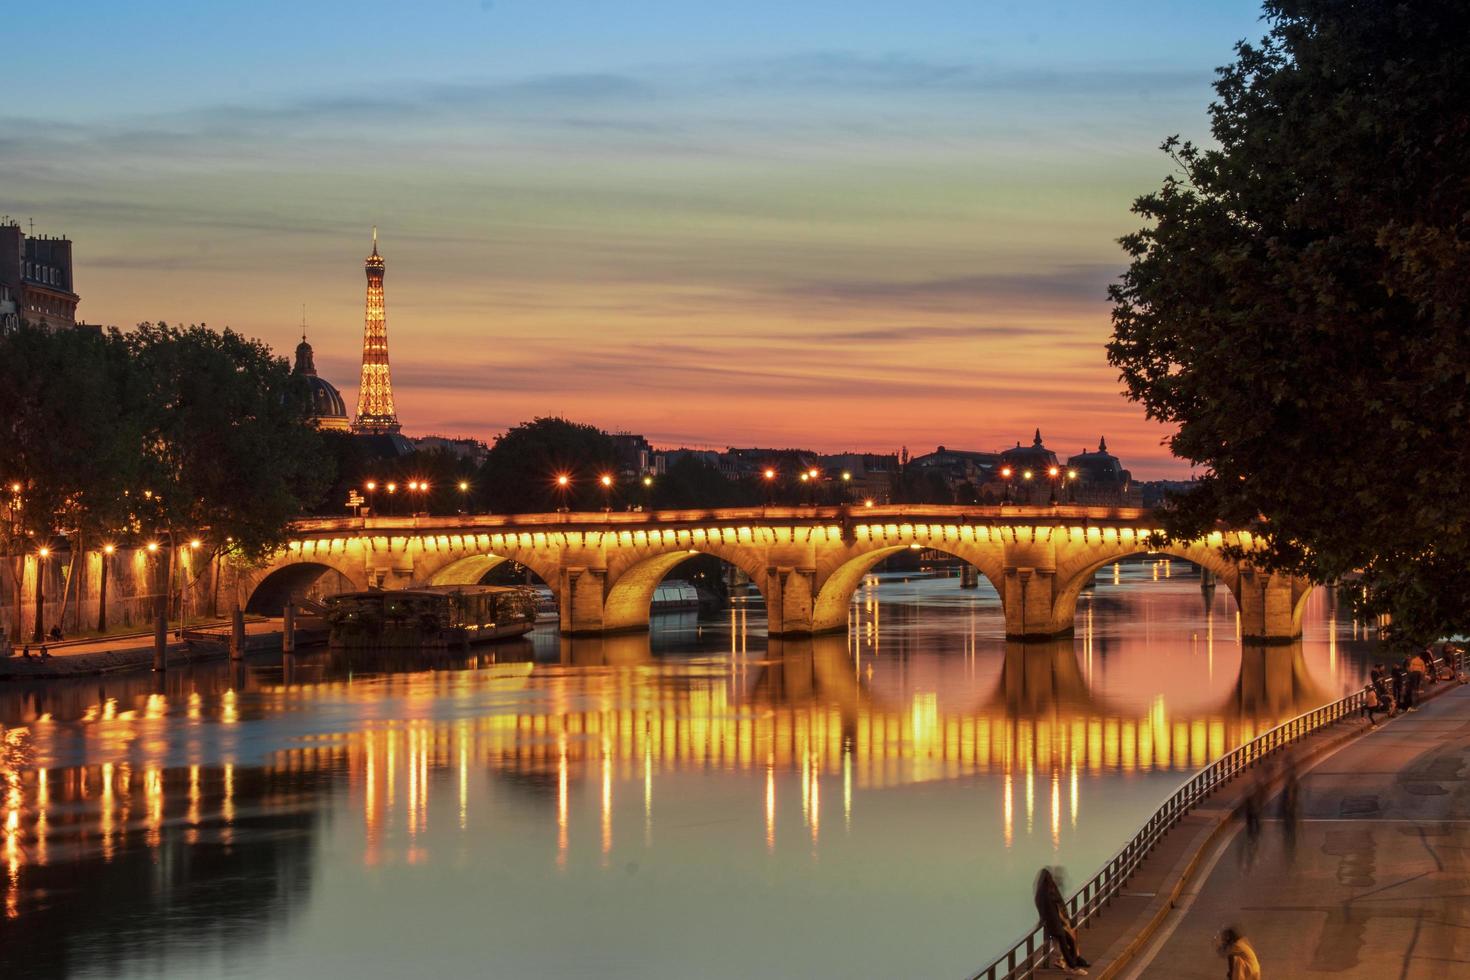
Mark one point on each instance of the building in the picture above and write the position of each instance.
(960, 467)
(376, 415)
(35, 280)
(635, 455)
(1099, 478)
(327, 409)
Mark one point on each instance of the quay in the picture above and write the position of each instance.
(1374, 886)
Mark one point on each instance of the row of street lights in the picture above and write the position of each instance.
(418, 491)
(1063, 479)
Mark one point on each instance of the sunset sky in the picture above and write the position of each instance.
(844, 225)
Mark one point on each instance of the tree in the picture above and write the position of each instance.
(1299, 303)
(691, 482)
(69, 440)
(521, 470)
(226, 442)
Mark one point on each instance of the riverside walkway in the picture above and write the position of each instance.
(1378, 883)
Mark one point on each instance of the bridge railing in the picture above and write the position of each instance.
(1028, 955)
(887, 513)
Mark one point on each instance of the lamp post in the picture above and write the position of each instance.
(1071, 486)
(194, 544)
(647, 491)
(1005, 474)
(39, 633)
(392, 489)
(563, 484)
(812, 483)
(607, 484)
(1054, 473)
(464, 494)
(371, 487)
(107, 552)
(769, 476)
(846, 485)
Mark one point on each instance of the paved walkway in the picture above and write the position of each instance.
(1379, 885)
(113, 653)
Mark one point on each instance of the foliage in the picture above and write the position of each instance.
(690, 482)
(70, 431)
(226, 442)
(520, 472)
(1299, 302)
(355, 467)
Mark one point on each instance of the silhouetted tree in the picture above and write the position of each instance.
(520, 472)
(1299, 302)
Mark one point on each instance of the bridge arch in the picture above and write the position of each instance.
(834, 597)
(1072, 577)
(267, 592)
(630, 587)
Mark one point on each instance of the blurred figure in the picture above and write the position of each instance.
(1397, 673)
(1291, 806)
(1250, 814)
(1057, 924)
(1240, 957)
(1416, 669)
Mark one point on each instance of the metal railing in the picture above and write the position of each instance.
(1030, 953)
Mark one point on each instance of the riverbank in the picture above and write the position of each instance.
(1163, 922)
(131, 652)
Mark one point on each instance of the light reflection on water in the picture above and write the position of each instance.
(694, 802)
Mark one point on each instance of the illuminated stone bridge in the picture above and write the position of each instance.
(806, 562)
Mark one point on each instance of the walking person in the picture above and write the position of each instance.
(1057, 925)
(1374, 700)
(1250, 813)
(1399, 675)
(1240, 957)
(1291, 806)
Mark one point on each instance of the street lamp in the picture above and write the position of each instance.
(607, 481)
(1053, 472)
(769, 475)
(563, 487)
(107, 553)
(42, 554)
(392, 488)
(464, 491)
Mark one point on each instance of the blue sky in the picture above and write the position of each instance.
(844, 225)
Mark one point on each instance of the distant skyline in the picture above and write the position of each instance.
(844, 226)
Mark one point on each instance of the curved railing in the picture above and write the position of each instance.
(1030, 953)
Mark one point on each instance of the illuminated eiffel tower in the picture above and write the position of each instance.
(375, 414)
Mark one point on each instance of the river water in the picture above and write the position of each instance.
(692, 802)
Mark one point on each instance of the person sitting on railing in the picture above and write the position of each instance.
(1057, 924)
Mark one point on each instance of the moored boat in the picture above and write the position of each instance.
(432, 617)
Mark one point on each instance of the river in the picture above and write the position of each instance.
(691, 802)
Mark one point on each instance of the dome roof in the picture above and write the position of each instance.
(324, 403)
(1101, 466)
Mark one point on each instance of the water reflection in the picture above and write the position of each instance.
(165, 825)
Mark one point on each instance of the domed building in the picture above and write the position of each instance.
(326, 408)
(1101, 468)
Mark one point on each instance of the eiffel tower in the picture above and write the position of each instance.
(375, 414)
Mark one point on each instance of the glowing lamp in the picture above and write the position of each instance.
(1005, 471)
(562, 480)
(605, 480)
(44, 552)
(152, 546)
(648, 481)
(1053, 471)
(464, 485)
(1071, 474)
(805, 478)
(194, 544)
(770, 474)
(868, 502)
(846, 475)
(1026, 475)
(371, 485)
(108, 549)
(392, 488)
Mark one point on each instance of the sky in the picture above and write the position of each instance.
(838, 225)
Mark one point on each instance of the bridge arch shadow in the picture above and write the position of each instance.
(290, 583)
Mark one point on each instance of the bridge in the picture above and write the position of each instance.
(603, 567)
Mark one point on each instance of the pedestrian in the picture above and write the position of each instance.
(25, 651)
(1398, 673)
(56, 634)
(45, 654)
(1057, 925)
(1291, 804)
(1250, 814)
(1416, 669)
(1240, 956)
